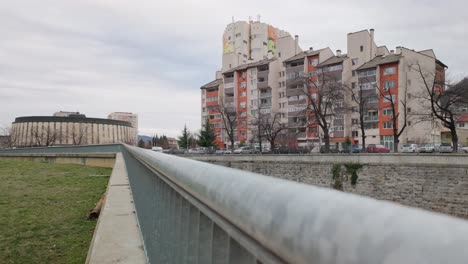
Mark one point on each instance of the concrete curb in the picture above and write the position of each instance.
(117, 237)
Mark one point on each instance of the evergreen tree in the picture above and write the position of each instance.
(141, 143)
(207, 135)
(184, 139)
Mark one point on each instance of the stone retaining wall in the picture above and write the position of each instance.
(433, 182)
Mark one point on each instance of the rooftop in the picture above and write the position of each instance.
(250, 65)
(333, 60)
(212, 84)
(301, 55)
(463, 118)
(380, 60)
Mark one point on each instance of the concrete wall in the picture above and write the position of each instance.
(432, 182)
(88, 159)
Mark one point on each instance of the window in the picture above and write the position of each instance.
(409, 82)
(279, 54)
(353, 73)
(354, 121)
(238, 35)
(390, 70)
(243, 114)
(243, 94)
(355, 61)
(387, 125)
(353, 85)
(361, 48)
(366, 73)
(313, 62)
(387, 112)
(211, 99)
(253, 112)
(367, 86)
(386, 98)
(409, 109)
(243, 84)
(354, 134)
(409, 123)
(461, 124)
(389, 85)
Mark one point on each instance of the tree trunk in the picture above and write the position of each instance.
(326, 138)
(363, 136)
(453, 132)
(396, 142)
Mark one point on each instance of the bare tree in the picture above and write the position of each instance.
(325, 94)
(272, 127)
(45, 136)
(398, 109)
(229, 117)
(78, 135)
(10, 137)
(444, 104)
(361, 100)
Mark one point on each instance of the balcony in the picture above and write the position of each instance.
(229, 90)
(229, 99)
(263, 84)
(371, 118)
(298, 68)
(297, 91)
(265, 95)
(228, 85)
(228, 80)
(263, 74)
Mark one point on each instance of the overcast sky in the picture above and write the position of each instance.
(151, 57)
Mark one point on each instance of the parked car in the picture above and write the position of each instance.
(244, 150)
(357, 148)
(219, 151)
(333, 149)
(227, 151)
(427, 148)
(445, 148)
(373, 148)
(157, 149)
(266, 150)
(409, 148)
(464, 149)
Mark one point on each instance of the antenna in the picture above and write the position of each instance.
(232, 19)
(258, 17)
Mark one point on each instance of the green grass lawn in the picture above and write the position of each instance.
(43, 210)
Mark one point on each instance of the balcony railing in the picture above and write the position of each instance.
(228, 80)
(265, 95)
(263, 84)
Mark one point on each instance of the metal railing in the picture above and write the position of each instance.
(195, 212)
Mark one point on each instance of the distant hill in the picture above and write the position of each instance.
(144, 138)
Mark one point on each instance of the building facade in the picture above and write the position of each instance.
(265, 73)
(32, 131)
(127, 117)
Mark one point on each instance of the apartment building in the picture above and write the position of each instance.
(265, 72)
(210, 102)
(127, 117)
(393, 79)
(250, 77)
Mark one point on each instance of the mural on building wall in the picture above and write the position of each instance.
(272, 36)
(228, 46)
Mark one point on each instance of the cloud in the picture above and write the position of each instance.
(151, 57)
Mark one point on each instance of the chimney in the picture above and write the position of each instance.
(371, 43)
(338, 53)
(296, 38)
(311, 48)
(392, 52)
(398, 50)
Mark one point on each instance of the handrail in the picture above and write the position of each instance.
(306, 224)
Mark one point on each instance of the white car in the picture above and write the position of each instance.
(427, 148)
(409, 148)
(464, 149)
